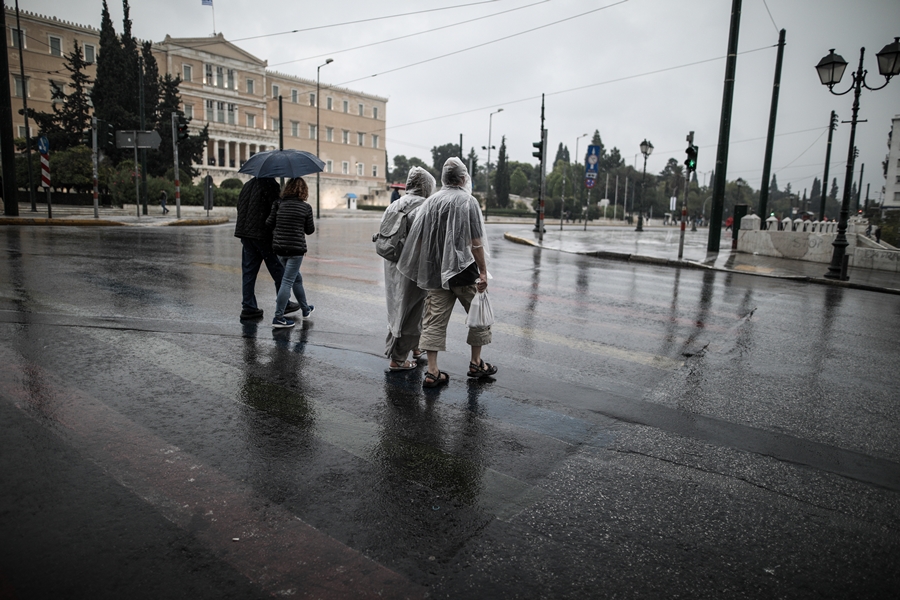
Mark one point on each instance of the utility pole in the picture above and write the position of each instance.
(715, 222)
(7, 147)
(94, 160)
(862, 170)
(25, 108)
(143, 128)
(832, 125)
(770, 139)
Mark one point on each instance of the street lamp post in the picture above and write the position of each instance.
(490, 126)
(318, 133)
(646, 150)
(831, 69)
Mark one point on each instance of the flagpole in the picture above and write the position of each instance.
(214, 17)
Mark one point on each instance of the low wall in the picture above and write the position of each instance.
(880, 260)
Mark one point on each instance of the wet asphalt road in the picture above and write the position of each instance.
(651, 432)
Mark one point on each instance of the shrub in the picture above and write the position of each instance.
(232, 184)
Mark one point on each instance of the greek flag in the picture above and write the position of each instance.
(206, 2)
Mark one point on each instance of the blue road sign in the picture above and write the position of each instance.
(44, 145)
(591, 165)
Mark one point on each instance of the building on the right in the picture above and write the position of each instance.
(891, 190)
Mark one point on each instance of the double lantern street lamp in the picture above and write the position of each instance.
(328, 61)
(488, 148)
(646, 150)
(831, 69)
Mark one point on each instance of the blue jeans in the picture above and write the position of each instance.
(292, 279)
(252, 256)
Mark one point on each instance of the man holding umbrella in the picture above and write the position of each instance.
(254, 206)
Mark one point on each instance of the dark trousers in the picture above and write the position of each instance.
(253, 255)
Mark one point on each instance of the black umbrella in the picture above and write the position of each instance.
(282, 163)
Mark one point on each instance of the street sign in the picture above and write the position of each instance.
(44, 149)
(673, 202)
(138, 139)
(591, 166)
(43, 145)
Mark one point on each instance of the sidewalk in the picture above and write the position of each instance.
(83, 216)
(659, 245)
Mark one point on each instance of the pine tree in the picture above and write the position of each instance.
(501, 180)
(816, 192)
(562, 153)
(71, 114)
(596, 141)
(109, 60)
(472, 160)
(833, 194)
(190, 151)
(152, 88)
(130, 81)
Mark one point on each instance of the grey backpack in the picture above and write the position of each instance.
(390, 238)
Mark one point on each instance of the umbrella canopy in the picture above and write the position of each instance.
(282, 163)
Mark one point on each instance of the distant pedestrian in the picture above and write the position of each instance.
(445, 254)
(254, 205)
(405, 300)
(395, 195)
(878, 234)
(728, 223)
(869, 230)
(291, 220)
(163, 196)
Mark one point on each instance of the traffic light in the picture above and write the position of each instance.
(87, 138)
(106, 135)
(691, 161)
(539, 153)
(182, 128)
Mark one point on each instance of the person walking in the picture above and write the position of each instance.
(405, 300)
(163, 196)
(395, 195)
(291, 220)
(254, 205)
(445, 253)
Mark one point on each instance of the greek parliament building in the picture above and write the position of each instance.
(232, 91)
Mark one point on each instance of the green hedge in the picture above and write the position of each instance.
(370, 207)
(508, 212)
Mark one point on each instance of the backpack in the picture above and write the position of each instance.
(390, 238)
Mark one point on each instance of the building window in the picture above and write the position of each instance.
(312, 132)
(329, 103)
(90, 54)
(209, 110)
(250, 86)
(207, 75)
(329, 166)
(232, 114)
(329, 134)
(220, 112)
(275, 124)
(295, 96)
(22, 131)
(56, 92)
(361, 110)
(360, 139)
(360, 169)
(374, 170)
(295, 129)
(189, 111)
(55, 45)
(345, 135)
(220, 77)
(374, 141)
(346, 106)
(20, 86)
(230, 82)
(187, 72)
(251, 120)
(15, 39)
(345, 166)
(276, 91)
(374, 112)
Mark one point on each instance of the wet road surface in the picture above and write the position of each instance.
(652, 432)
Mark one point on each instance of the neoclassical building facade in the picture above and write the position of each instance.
(234, 93)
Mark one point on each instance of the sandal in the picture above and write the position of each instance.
(418, 354)
(433, 381)
(481, 370)
(406, 365)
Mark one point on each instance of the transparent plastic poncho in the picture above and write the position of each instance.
(439, 245)
(403, 295)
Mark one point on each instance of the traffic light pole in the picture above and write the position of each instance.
(542, 154)
(177, 170)
(94, 159)
(770, 139)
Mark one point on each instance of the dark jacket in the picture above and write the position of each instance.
(254, 206)
(291, 220)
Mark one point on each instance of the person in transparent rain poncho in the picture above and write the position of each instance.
(405, 300)
(446, 253)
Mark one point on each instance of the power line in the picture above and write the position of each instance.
(466, 22)
(494, 41)
(770, 15)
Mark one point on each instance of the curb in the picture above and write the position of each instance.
(652, 260)
(64, 222)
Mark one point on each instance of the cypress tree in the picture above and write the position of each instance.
(190, 151)
(109, 63)
(501, 179)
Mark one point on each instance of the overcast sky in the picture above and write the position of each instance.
(620, 69)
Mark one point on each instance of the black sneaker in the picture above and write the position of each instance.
(309, 312)
(251, 313)
(291, 309)
(281, 323)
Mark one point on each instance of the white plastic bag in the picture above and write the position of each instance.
(480, 312)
